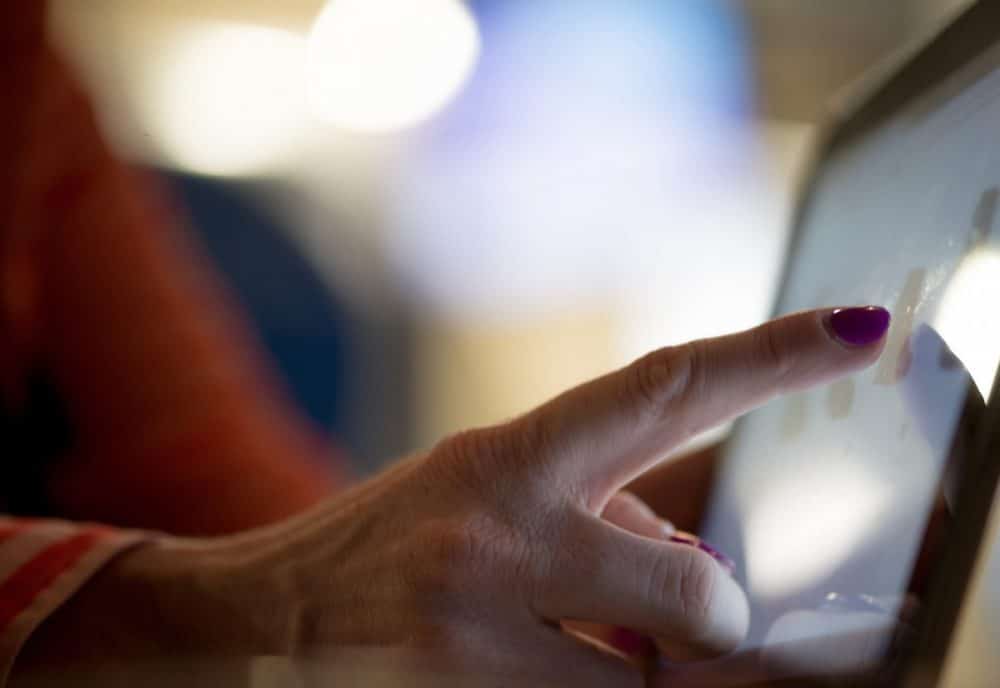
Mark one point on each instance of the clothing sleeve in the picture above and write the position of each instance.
(178, 423)
(42, 563)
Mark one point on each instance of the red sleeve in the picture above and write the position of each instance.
(178, 424)
(42, 563)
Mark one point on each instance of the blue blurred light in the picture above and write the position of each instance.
(611, 57)
(588, 128)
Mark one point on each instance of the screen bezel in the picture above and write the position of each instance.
(957, 45)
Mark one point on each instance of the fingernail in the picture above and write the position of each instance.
(629, 643)
(683, 538)
(728, 564)
(859, 326)
(668, 529)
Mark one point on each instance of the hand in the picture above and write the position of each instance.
(834, 644)
(467, 558)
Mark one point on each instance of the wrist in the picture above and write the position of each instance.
(153, 609)
(205, 598)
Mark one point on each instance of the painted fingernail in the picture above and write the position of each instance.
(629, 643)
(683, 538)
(728, 564)
(859, 326)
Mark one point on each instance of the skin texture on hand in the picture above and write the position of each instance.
(470, 556)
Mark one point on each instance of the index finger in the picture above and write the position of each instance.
(604, 433)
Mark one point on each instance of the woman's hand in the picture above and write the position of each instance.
(466, 559)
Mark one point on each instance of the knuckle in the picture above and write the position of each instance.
(469, 446)
(455, 549)
(639, 380)
(496, 463)
(772, 350)
(472, 458)
(692, 385)
(467, 554)
(665, 376)
(534, 435)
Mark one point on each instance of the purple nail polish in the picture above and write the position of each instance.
(728, 564)
(694, 541)
(859, 326)
(629, 642)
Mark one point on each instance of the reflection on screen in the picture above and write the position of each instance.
(830, 499)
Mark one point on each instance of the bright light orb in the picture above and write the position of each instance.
(383, 65)
(973, 337)
(226, 100)
(808, 523)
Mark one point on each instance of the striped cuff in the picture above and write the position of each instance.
(42, 563)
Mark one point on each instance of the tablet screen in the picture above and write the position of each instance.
(831, 501)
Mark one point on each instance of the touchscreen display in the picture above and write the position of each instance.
(831, 501)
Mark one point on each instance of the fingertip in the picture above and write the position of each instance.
(725, 625)
(728, 619)
(732, 618)
(858, 326)
(724, 618)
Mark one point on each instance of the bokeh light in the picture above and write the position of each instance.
(384, 65)
(973, 338)
(595, 144)
(809, 522)
(228, 99)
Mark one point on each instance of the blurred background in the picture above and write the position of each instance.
(441, 213)
(438, 214)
